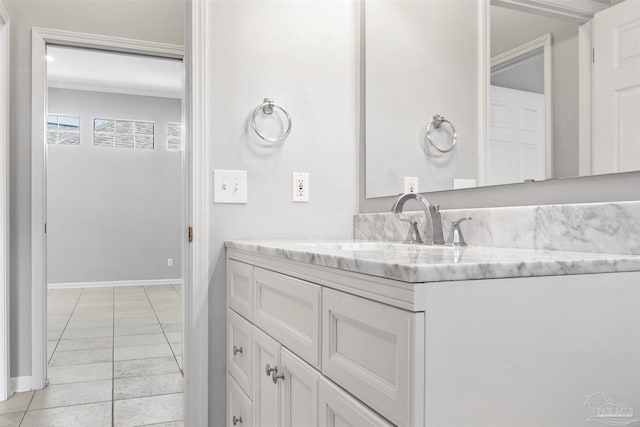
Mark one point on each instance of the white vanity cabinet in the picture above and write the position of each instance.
(358, 350)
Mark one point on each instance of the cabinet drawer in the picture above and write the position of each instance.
(238, 406)
(288, 309)
(239, 350)
(372, 350)
(240, 287)
(336, 408)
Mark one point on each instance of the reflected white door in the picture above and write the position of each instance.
(516, 149)
(616, 90)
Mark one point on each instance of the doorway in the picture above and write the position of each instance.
(520, 145)
(112, 188)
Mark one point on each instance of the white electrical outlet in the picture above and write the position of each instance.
(411, 184)
(169, 262)
(229, 186)
(300, 187)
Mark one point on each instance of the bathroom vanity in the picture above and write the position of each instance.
(356, 333)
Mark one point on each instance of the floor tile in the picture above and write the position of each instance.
(81, 357)
(148, 410)
(127, 388)
(11, 420)
(51, 346)
(93, 415)
(85, 344)
(147, 339)
(176, 348)
(144, 367)
(171, 424)
(85, 324)
(142, 352)
(78, 373)
(71, 334)
(134, 322)
(54, 334)
(172, 327)
(174, 337)
(72, 394)
(138, 330)
(16, 403)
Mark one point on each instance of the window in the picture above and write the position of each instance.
(123, 134)
(174, 136)
(63, 129)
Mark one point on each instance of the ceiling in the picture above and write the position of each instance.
(100, 71)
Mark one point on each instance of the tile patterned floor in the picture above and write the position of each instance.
(115, 359)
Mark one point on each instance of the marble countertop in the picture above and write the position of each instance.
(424, 263)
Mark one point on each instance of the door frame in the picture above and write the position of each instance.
(195, 205)
(545, 43)
(5, 317)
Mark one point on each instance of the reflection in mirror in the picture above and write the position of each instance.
(562, 92)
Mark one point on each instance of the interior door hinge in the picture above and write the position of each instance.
(593, 55)
(190, 234)
(45, 228)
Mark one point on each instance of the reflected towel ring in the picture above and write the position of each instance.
(435, 124)
(267, 108)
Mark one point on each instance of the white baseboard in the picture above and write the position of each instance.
(20, 384)
(114, 283)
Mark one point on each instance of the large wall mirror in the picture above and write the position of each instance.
(469, 93)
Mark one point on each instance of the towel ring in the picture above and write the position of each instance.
(437, 121)
(267, 108)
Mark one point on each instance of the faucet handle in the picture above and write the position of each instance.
(413, 236)
(456, 238)
(459, 220)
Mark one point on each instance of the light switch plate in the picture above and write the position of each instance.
(229, 186)
(411, 184)
(300, 187)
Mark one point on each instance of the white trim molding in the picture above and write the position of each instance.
(5, 314)
(507, 58)
(117, 283)
(484, 82)
(196, 260)
(574, 10)
(585, 62)
(20, 384)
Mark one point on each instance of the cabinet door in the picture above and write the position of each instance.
(374, 351)
(298, 392)
(336, 408)
(238, 405)
(239, 343)
(266, 395)
(288, 309)
(240, 287)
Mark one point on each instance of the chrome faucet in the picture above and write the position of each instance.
(433, 232)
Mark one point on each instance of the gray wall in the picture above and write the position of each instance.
(305, 56)
(511, 28)
(124, 18)
(113, 214)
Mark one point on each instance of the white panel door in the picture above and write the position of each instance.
(266, 394)
(516, 149)
(299, 392)
(337, 408)
(238, 406)
(615, 142)
(371, 350)
(239, 342)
